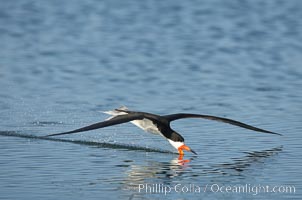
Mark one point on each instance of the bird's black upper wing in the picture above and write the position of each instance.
(111, 122)
(220, 119)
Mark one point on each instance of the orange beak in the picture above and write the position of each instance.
(185, 147)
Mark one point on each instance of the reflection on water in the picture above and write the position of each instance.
(162, 169)
(156, 169)
(158, 173)
(240, 164)
(155, 173)
(166, 170)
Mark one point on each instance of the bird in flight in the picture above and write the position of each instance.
(157, 124)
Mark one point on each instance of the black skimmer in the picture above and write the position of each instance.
(157, 124)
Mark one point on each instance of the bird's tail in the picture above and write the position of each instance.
(116, 112)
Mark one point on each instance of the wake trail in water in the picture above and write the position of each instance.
(83, 142)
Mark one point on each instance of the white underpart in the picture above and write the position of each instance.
(176, 145)
(145, 124)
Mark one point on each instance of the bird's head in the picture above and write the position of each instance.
(180, 146)
(186, 148)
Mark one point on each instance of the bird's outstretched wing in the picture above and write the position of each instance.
(220, 119)
(120, 119)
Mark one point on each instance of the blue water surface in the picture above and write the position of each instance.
(62, 62)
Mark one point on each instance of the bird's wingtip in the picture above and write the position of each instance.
(278, 134)
(273, 133)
